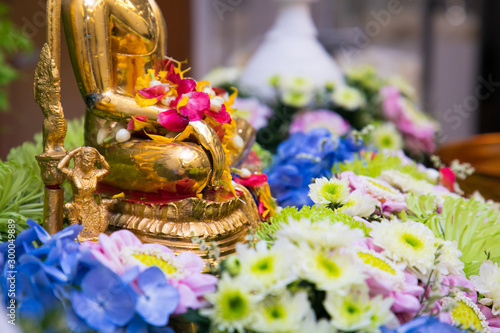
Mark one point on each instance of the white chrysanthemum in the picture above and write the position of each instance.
(359, 204)
(267, 269)
(488, 284)
(382, 269)
(467, 314)
(316, 326)
(355, 311)
(234, 305)
(281, 313)
(331, 270)
(296, 84)
(325, 192)
(410, 242)
(380, 189)
(449, 260)
(223, 75)
(297, 99)
(348, 98)
(322, 234)
(406, 183)
(386, 136)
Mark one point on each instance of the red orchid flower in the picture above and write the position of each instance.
(167, 65)
(221, 116)
(157, 92)
(186, 86)
(447, 178)
(254, 180)
(190, 107)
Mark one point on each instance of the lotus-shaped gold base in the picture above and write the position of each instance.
(175, 223)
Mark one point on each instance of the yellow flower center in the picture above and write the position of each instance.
(276, 312)
(464, 315)
(328, 266)
(150, 260)
(412, 241)
(373, 261)
(263, 265)
(385, 188)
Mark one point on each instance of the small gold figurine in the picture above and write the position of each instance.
(83, 179)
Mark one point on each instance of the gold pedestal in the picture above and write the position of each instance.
(175, 223)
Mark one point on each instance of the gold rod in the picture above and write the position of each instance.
(54, 30)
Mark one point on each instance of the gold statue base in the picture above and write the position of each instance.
(175, 223)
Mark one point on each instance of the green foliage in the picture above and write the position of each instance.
(13, 41)
(374, 167)
(21, 188)
(265, 156)
(474, 225)
(21, 192)
(267, 231)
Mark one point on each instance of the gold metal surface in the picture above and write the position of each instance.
(83, 179)
(47, 90)
(53, 201)
(173, 224)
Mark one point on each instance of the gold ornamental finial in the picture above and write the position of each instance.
(48, 97)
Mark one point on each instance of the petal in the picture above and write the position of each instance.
(190, 262)
(186, 86)
(157, 92)
(172, 120)
(197, 104)
(93, 314)
(222, 116)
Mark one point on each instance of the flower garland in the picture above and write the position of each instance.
(180, 101)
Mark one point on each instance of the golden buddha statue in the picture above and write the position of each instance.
(112, 43)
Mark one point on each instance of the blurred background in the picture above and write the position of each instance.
(447, 49)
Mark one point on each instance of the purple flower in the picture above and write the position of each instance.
(320, 118)
(255, 112)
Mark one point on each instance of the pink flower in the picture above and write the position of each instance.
(407, 301)
(391, 105)
(320, 118)
(447, 178)
(493, 321)
(417, 129)
(122, 251)
(254, 180)
(255, 112)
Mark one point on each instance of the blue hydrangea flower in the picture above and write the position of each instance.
(104, 302)
(424, 325)
(303, 157)
(158, 299)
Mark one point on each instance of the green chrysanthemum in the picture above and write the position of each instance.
(315, 214)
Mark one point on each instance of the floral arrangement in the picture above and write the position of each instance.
(116, 284)
(389, 105)
(304, 157)
(387, 247)
(180, 101)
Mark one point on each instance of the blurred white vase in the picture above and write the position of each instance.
(290, 49)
